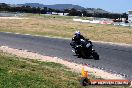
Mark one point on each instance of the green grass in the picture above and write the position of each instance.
(16, 72)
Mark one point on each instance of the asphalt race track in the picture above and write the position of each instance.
(113, 58)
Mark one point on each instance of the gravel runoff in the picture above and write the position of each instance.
(73, 66)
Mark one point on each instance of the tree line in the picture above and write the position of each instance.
(72, 12)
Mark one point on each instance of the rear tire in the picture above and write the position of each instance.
(95, 55)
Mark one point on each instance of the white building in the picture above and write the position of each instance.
(130, 16)
(63, 14)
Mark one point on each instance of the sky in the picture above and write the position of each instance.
(117, 6)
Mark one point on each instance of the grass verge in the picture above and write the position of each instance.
(16, 72)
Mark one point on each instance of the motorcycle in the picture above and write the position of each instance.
(84, 49)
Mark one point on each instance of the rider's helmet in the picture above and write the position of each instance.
(77, 33)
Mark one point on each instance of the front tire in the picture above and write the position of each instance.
(95, 55)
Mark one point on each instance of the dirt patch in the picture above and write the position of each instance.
(72, 65)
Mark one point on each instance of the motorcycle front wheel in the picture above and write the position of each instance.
(95, 55)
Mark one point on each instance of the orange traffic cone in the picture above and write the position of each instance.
(84, 73)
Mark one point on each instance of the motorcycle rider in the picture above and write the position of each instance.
(77, 37)
(83, 47)
(78, 40)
